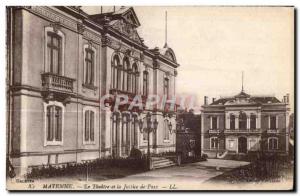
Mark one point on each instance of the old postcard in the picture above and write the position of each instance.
(122, 98)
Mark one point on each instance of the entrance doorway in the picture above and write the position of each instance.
(242, 145)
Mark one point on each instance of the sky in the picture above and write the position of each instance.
(214, 45)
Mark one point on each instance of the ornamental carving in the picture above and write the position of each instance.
(92, 36)
(80, 28)
(54, 16)
(127, 29)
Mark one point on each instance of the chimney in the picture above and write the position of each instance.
(284, 99)
(213, 99)
(287, 98)
(205, 100)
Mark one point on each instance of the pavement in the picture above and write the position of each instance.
(193, 172)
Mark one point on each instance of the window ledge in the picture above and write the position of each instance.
(166, 141)
(91, 87)
(89, 143)
(54, 143)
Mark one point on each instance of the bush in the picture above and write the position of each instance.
(135, 153)
(46, 171)
(204, 157)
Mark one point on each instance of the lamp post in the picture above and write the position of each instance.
(151, 126)
(171, 132)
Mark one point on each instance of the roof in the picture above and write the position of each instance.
(244, 98)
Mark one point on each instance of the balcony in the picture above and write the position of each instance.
(57, 85)
(213, 131)
(238, 131)
(273, 131)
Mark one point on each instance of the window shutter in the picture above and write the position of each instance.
(92, 126)
(86, 131)
(49, 124)
(58, 134)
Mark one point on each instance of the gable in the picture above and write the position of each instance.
(131, 17)
(127, 29)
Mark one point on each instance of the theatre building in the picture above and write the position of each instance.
(60, 62)
(243, 123)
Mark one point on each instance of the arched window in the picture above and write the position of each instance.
(135, 78)
(166, 130)
(232, 121)
(89, 126)
(252, 121)
(273, 143)
(145, 83)
(214, 142)
(120, 70)
(242, 121)
(126, 75)
(114, 72)
(54, 53)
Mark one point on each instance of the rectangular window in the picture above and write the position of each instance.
(166, 87)
(54, 53)
(54, 123)
(214, 122)
(89, 126)
(252, 122)
(89, 66)
(232, 122)
(272, 122)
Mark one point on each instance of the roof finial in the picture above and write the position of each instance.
(242, 81)
(166, 29)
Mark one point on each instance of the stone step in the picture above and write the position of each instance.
(163, 165)
(162, 161)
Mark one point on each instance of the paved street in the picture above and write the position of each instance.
(193, 172)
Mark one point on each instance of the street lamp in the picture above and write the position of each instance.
(151, 126)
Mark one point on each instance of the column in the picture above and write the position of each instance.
(237, 122)
(248, 122)
(106, 132)
(119, 136)
(258, 120)
(227, 121)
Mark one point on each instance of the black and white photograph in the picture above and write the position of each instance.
(150, 98)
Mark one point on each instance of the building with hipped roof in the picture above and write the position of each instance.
(243, 123)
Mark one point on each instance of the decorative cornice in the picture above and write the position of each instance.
(52, 15)
(56, 26)
(105, 40)
(92, 36)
